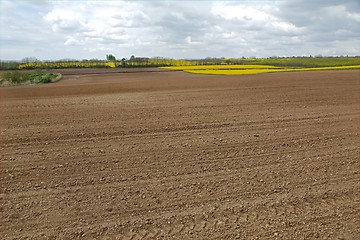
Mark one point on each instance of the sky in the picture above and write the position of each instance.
(78, 29)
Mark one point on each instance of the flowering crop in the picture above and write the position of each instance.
(248, 69)
(72, 64)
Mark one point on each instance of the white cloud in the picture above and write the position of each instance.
(72, 42)
(6, 5)
(179, 29)
(256, 16)
(285, 27)
(188, 40)
(241, 12)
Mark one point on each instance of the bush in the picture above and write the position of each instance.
(6, 65)
(15, 76)
(45, 79)
(36, 77)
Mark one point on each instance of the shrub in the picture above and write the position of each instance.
(36, 77)
(46, 79)
(15, 76)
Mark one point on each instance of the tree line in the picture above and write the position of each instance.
(111, 61)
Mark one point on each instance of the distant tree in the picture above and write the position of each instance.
(132, 60)
(123, 62)
(29, 60)
(110, 57)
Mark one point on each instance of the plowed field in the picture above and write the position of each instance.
(170, 155)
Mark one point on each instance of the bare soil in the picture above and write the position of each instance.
(170, 155)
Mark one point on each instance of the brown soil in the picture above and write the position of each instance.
(170, 155)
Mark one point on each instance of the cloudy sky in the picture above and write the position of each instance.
(50, 30)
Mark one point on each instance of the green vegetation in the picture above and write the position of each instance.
(10, 78)
(66, 64)
(9, 65)
(135, 62)
(123, 63)
(110, 57)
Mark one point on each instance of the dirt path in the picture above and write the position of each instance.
(170, 155)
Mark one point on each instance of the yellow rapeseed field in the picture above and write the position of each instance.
(70, 64)
(248, 69)
(220, 67)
